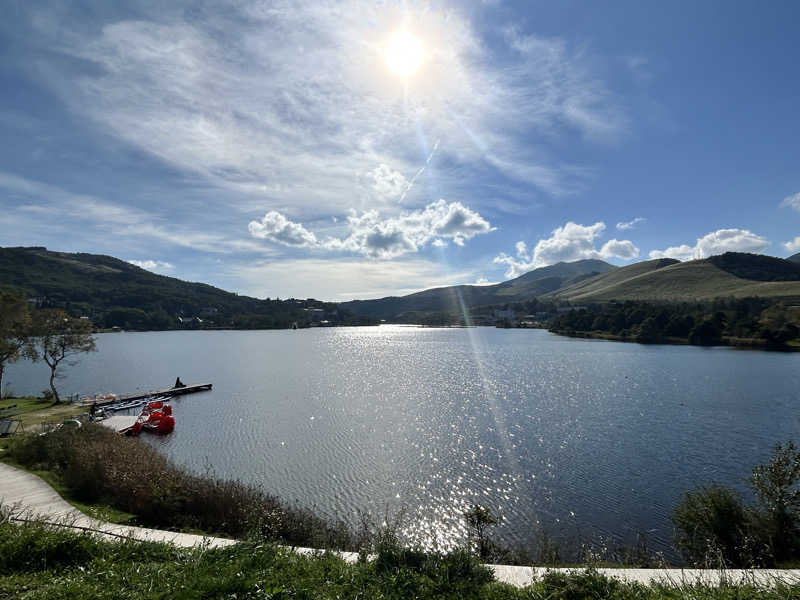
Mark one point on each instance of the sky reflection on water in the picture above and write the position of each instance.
(586, 440)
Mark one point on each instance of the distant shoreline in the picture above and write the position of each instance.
(730, 342)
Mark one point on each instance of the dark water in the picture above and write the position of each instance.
(587, 439)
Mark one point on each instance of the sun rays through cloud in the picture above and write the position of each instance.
(202, 120)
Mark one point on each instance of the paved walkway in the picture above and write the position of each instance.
(34, 498)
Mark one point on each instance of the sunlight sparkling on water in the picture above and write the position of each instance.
(583, 439)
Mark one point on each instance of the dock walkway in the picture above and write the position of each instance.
(34, 498)
(168, 392)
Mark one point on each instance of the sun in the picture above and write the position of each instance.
(404, 54)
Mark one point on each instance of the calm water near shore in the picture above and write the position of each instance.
(586, 439)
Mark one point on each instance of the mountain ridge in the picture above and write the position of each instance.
(455, 298)
(115, 293)
(732, 274)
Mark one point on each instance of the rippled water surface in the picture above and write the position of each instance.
(585, 439)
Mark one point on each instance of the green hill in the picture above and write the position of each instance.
(732, 274)
(113, 292)
(794, 258)
(454, 298)
(613, 278)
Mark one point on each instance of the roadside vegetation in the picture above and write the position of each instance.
(98, 466)
(716, 528)
(95, 467)
(45, 563)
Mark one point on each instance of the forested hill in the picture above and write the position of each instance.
(114, 293)
(794, 258)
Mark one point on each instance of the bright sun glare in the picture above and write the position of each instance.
(404, 54)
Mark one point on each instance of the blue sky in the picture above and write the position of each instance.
(361, 149)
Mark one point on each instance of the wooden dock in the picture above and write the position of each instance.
(169, 392)
(120, 423)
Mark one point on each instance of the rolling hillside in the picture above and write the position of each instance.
(794, 258)
(452, 299)
(728, 275)
(113, 292)
(591, 281)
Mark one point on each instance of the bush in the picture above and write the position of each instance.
(712, 527)
(715, 528)
(100, 466)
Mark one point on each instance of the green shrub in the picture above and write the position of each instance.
(712, 526)
(777, 485)
(100, 466)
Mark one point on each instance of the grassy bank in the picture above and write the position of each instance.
(37, 562)
(96, 468)
(35, 411)
(123, 480)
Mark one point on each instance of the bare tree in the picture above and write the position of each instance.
(60, 337)
(14, 330)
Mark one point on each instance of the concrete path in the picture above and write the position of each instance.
(32, 498)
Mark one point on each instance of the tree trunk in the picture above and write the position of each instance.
(53, 385)
(2, 368)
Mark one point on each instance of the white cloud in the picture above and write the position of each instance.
(792, 201)
(372, 236)
(152, 265)
(567, 243)
(625, 225)
(716, 242)
(484, 281)
(682, 252)
(793, 245)
(388, 182)
(623, 249)
(277, 228)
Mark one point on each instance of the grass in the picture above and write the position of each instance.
(44, 563)
(683, 281)
(96, 468)
(34, 411)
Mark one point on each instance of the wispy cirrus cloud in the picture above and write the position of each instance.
(375, 237)
(626, 225)
(286, 101)
(716, 242)
(792, 201)
(567, 243)
(98, 217)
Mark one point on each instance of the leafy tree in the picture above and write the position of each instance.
(778, 487)
(59, 337)
(479, 519)
(649, 331)
(14, 329)
(707, 333)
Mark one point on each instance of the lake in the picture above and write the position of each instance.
(585, 439)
